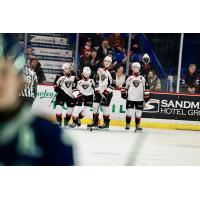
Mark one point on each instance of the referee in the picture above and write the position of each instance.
(29, 92)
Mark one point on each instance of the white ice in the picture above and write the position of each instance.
(151, 147)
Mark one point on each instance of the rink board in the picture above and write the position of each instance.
(176, 117)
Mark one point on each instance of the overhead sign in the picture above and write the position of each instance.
(52, 50)
(47, 39)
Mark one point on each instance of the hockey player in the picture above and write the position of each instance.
(137, 94)
(84, 96)
(103, 93)
(64, 86)
(25, 139)
(59, 98)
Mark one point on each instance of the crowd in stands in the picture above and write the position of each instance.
(95, 47)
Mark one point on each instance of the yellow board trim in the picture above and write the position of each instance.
(144, 124)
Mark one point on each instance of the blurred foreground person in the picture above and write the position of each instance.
(25, 139)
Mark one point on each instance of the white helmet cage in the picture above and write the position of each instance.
(107, 61)
(86, 72)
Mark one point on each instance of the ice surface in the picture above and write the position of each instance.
(118, 147)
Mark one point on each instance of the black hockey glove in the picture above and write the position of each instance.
(57, 88)
(105, 93)
(97, 96)
(123, 94)
(79, 98)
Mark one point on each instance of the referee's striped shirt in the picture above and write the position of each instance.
(30, 89)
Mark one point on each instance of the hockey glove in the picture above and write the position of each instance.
(123, 94)
(105, 93)
(79, 96)
(97, 96)
(57, 88)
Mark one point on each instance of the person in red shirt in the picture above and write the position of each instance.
(86, 53)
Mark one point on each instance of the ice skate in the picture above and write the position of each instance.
(73, 125)
(127, 127)
(93, 125)
(59, 123)
(138, 128)
(78, 123)
(66, 123)
(105, 126)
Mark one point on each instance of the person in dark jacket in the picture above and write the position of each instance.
(190, 81)
(25, 139)
(103, 51)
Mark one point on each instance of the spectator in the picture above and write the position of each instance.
(86, 53)
(82, 38)
(135, 55)
(96, 40)
(153, 81)
(190, 81)
(29, 55)
(116, 38)
(104, 50)
(145, 66)
(93, 63)
(29, 52)
(36, 67)
(119, 55)
(120, 76)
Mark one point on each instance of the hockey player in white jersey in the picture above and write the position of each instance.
(65, 86)
(84, 94)
(136, 92)
(103, 93)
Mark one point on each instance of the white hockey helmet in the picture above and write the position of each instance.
(135, 67)
(146, 58)
(67, 68)
(86, 72)
(107, 61)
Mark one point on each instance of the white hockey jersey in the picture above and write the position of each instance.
(67, 84)
(136, 87)
(105, 80)
(86, 87)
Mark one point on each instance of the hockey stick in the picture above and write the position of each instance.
(52, 100)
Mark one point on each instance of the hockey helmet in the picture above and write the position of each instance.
(107, 61)
(146, 58)
(135, 67)
(67, 68)
(86, 72)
